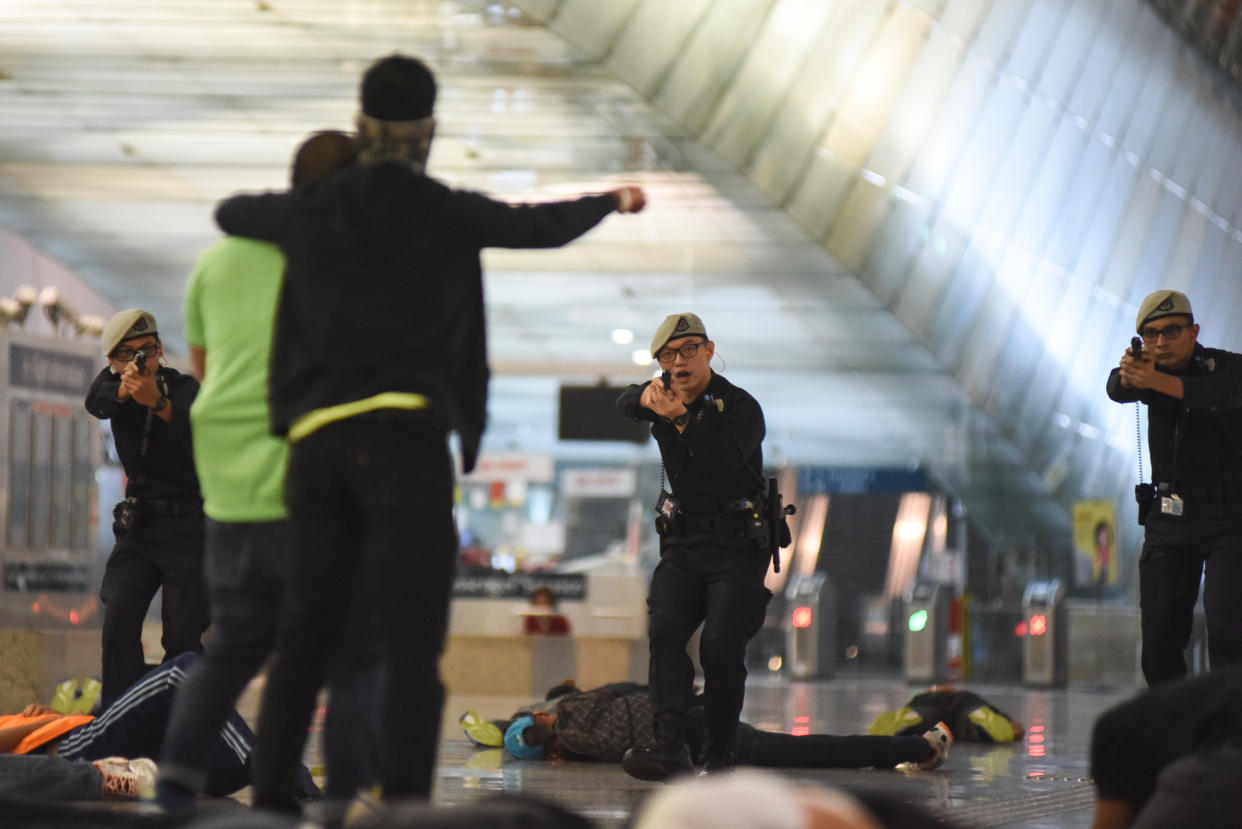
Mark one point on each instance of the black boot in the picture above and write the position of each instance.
(669, 756)
(721, 755)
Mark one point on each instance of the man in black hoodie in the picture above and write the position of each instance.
(379, 352)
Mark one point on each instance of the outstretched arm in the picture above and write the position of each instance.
(263, 216)
(496, 224)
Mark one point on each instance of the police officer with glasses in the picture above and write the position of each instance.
(159, 525)
(1192, 510)
(713, 545)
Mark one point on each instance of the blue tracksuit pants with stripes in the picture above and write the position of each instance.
(134, 726)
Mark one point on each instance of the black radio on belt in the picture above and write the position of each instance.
(124, 517)
(1159, 497)
(668, 515)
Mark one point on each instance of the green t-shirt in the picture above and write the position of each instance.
(230, 305)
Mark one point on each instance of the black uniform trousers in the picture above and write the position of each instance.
(372, 494)
(715, 579)
(827, 751)
(776, 750)
(1179, 551)
(160, 551)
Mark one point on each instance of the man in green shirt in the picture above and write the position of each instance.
(229, 310)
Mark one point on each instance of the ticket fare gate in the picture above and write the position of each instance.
(928, 606)
(1045, 647)
(810, 627)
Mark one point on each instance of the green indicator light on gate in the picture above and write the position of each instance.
(918, 620)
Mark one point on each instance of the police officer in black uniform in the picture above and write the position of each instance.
(159, 525)
(1193, 510)
(713, 551)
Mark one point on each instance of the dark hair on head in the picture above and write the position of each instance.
(544, 591)
(398, 88)
(558, 691)
(321, 153)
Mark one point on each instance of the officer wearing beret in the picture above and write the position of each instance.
(712, 565)
(159, 525)
(1192, 513)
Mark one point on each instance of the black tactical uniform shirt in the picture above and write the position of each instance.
(166, 469)
(1196, 442)
(719, 456)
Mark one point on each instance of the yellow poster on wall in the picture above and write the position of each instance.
(1095, 537)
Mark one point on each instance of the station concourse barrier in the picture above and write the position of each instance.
(1045, 647)
(928, 607)
(810, 627)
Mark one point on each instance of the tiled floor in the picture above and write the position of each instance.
(1040, 783)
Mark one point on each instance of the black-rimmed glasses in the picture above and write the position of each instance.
(1169, 332)
(667, 355)
(125, 353)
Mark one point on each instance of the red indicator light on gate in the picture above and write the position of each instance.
(1019, 629)
(1039, 624)
(802, 617)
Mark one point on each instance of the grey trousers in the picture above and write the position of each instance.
(48, 777)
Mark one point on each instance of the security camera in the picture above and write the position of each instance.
(16, 308)
(88, 325)
(55, 308)
(10, 311)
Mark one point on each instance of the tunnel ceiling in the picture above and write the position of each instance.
(835, 187)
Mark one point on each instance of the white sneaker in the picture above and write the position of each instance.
(940, 738)
(127, 779)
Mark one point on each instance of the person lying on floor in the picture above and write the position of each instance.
(603, 723)
(970, 717)
(39, 748)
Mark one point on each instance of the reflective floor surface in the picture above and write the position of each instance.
(1041, 782)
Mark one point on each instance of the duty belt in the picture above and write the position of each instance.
(1213, 494)
(731, 519)
(701, 523)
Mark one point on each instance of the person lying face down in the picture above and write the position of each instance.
(603, 723)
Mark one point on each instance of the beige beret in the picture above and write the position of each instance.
(674, 326)
(130, 323)
(1162, 304)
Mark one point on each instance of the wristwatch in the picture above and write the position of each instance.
(160, 404)
(681, 419)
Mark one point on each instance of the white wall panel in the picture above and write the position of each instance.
(590, 25)
(905, 134)
(652, 41)
(937, 164)
(1053, 179)
(709, 62)
(1035, 38)
(797, 128)
(1070, 48)
(777, 54)
(1000, 27)
(1126, 251)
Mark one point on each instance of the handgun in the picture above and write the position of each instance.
(666, 377)
(1136, 347)
(140, 359)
